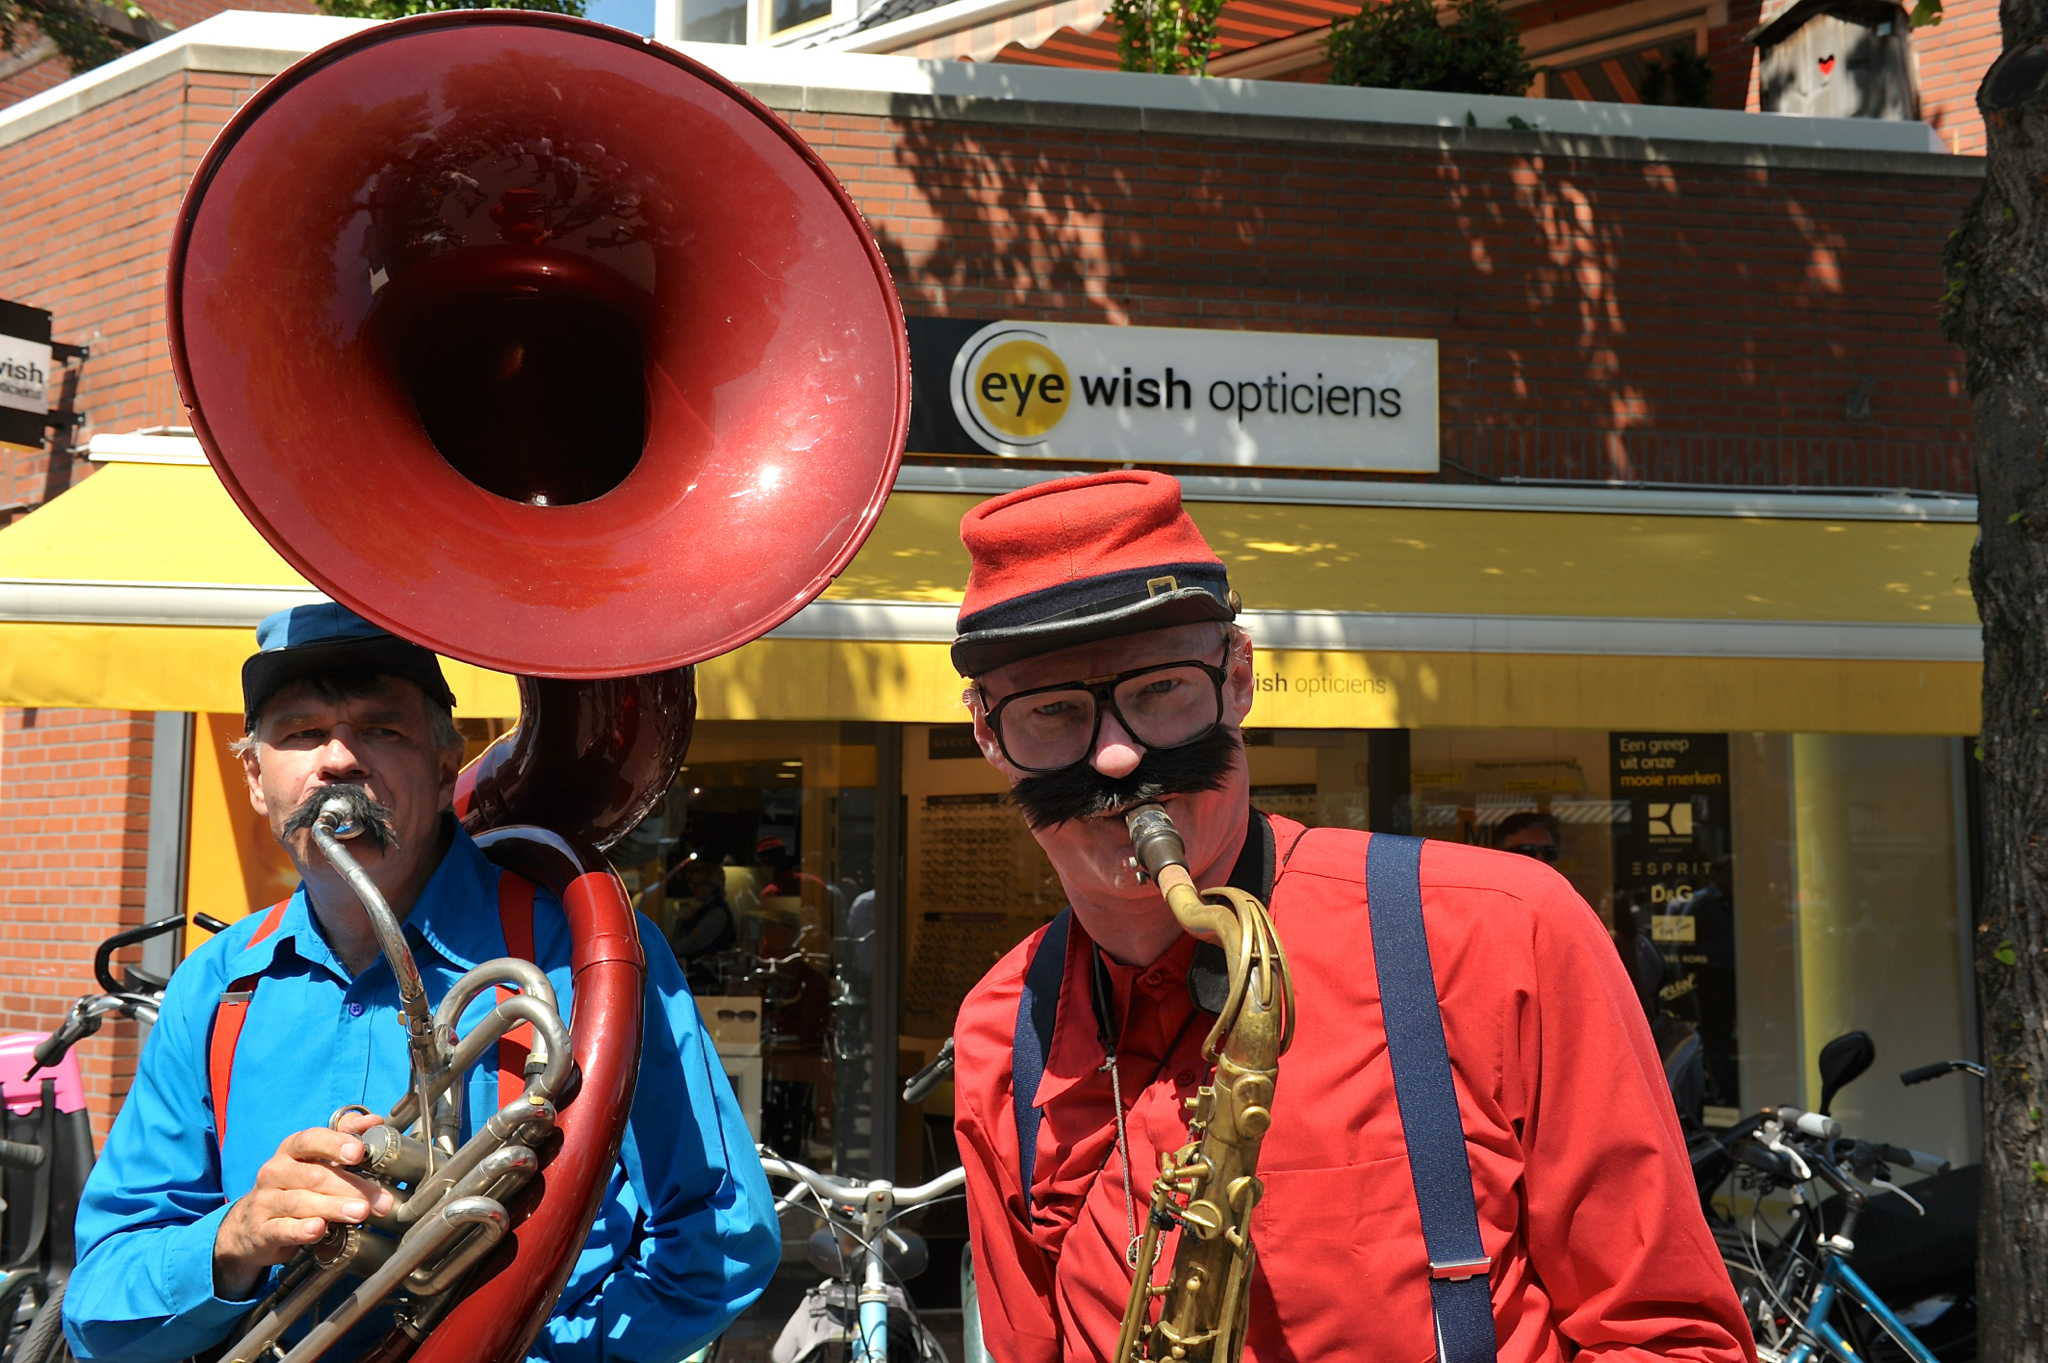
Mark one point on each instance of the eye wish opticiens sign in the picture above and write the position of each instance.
(1051, 390)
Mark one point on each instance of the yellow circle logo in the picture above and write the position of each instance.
(1021, 389)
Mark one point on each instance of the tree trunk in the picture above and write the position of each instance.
(1996, 308)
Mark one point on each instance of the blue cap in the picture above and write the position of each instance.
(328, 639)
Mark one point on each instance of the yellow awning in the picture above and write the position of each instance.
(137, 590)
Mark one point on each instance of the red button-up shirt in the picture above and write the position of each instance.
(1585, 1196)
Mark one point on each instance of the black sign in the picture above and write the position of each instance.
(19, 426)
(1672, 878)
(934, 341)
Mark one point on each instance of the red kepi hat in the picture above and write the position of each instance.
(1081, 559)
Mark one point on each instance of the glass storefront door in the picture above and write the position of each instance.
(760, 870)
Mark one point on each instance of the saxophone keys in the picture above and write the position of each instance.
(1203, 1217)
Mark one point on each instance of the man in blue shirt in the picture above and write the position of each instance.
(189, 1213)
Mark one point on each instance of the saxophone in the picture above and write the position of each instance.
(1209, 1186)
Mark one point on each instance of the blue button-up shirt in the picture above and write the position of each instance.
(685, 1238)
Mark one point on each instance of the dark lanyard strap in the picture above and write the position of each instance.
(1459, 1285)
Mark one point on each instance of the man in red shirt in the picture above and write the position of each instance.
(1105, 672)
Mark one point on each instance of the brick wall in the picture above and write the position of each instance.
(1597, 319)
(74, 820)
(1954, 55)
(89, 206)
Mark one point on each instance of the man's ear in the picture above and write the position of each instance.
(253, 774)
(984, 737)
(451, 767)
(1238, 690)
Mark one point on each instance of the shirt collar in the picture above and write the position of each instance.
(455, 914)
(1076, 1049)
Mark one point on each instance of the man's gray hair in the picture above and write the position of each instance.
(349, 686)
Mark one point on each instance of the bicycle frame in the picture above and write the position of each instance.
(1838, 1277)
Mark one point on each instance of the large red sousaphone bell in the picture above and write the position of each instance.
(546, 347)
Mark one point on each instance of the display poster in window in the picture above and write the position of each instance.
(1674, 907)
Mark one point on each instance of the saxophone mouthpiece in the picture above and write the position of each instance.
(337, 816)
(1155, 840)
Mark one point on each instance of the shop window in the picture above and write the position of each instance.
(714, 21)
(759, 869)
(1764, 892)
(784, 15)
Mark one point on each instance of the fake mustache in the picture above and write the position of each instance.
(365, 813)
(1080, 791)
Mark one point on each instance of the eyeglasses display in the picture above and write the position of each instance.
(1168, 705)
(979, 885)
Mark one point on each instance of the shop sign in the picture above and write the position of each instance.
(1100, 394)
(1673, 872)
(26, 367)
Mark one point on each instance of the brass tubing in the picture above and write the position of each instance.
(280, 1318)
(426, 1239)
(428, 1059)
(503, 1125)
(548, 1032)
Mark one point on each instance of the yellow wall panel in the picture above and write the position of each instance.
(234, 866)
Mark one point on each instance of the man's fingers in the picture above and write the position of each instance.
(356, 1123)
(301, 1204)
(321, 1179)
(321, 1146)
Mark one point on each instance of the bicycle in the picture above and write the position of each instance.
(32, 1286)
(859, 1250)
(1799, 1290)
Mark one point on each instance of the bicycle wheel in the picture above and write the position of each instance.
(44, 1342)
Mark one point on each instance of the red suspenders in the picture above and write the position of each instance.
(515, 916)
(515, 912)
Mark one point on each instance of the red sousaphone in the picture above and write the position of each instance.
(548, 348)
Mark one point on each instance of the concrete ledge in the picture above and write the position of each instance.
(1380, 632)
(1398, 136)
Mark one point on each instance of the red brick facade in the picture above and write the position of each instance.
(74, 820)
(89, 207)
(1953, 58)
(1664, 320)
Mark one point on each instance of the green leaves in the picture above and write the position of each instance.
(2005, 955)
(1401, 45)
(1926, 14)
(70, 25)
(1164, 37)
(398, 9)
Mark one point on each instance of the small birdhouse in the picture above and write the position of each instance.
(1837, 59)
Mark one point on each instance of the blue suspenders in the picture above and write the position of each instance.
(1459, 1286)
(1037, 1013)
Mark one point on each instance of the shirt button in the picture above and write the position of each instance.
(1152, 977)
(355, 1010)
(1187, 1076)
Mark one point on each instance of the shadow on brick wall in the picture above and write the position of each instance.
(1614, 319)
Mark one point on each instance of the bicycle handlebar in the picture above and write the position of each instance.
(15, 1155)
(925, 1080)
(851, 1194)
(1938, 1069)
